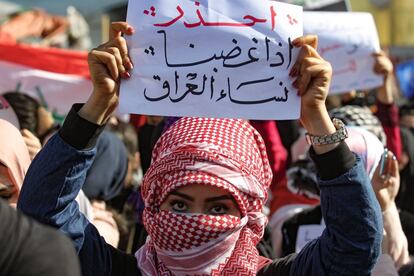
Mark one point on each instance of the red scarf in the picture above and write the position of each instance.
(228, 154)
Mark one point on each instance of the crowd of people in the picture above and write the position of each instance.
(329, 194)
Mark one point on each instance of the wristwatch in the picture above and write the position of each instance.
(340, 135)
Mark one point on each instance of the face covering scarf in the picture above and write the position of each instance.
(223, 153)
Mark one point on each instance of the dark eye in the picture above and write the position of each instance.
(219, 210)
(179, 206)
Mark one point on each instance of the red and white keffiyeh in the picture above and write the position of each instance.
(224, 153)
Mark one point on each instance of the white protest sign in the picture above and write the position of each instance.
(307, 233)
(212, 58)
(347, 40)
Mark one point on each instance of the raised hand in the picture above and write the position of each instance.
(386, 186)
(383, 65)
(313, 76)
(108, 63)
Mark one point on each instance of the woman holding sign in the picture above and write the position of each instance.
(207, 184)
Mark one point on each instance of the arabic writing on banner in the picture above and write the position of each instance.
(228, 58)
(347, 40)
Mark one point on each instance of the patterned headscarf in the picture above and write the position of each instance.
(358, 116)
(359, 141)
(224, 153)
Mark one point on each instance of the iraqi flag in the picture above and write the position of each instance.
(56, 77)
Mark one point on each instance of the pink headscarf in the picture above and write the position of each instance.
(366, 145)
(14, 155)
(224, 153)
(359, 140)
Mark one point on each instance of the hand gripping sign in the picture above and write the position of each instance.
(212, 58)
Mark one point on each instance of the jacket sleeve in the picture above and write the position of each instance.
(52, 183)
(29, 248)
(351, 242)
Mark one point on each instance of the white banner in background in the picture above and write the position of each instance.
(57, 91)
(227, 58)
(58, 78)
(347, 40)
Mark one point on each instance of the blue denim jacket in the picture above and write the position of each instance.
(350, 245)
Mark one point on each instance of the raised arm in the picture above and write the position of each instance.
(351, 242)
(58, 172)
(387, 111)
(386, 188)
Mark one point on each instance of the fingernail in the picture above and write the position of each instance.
(126, 75)
(292, 72)
(296, 42)
(129, 66)
(131, 30)
(394, 158)
(295, 84)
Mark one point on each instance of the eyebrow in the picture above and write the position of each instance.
(210, 199)
(218, 198)
(182, 195)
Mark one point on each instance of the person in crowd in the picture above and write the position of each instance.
(14, 162)
(354, 112)
(129, 202)
(404, 199)
(148, 135)
(386, 188)
(105, 181)
(407, 116)
(105, 178)
(357, 116)
(294, 198)
(385, 123)
(206, 186)
(36, 122)
(387, 110)
(303, 180)
(31, 115)
(31, 249)
(127, 133)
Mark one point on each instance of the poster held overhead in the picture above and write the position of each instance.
(226, 59)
